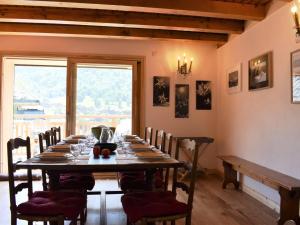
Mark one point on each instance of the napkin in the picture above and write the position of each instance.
(148, 154)
(53, 154)
(60, 148)
(71, 141)
(79, 136)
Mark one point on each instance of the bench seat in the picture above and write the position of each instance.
(287, 186)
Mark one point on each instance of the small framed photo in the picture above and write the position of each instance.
(261, 72)
(161, 91)
(181, 101)
(203, 95)
(295, 76)
(234, 79)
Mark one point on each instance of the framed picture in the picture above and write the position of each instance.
(182, 101)
(295, 78)
(234, 79)
(161, 91)
(203, 95)
(260, 72)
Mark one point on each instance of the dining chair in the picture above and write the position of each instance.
(54, 207)
(56, 134)
(67, 180)
(136, 180)
(151, 207)
(148, 135)
(44, 143)
(159, 141)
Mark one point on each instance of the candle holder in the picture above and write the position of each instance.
(294, 11)
(183, 69)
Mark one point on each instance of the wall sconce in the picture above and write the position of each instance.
(294, 11)
(182, 66)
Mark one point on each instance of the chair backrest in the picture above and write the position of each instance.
(44, 140)
(200, 142)
(56, 134)
(13, 144)
(160, 139)
(168, 150)
(148, 135)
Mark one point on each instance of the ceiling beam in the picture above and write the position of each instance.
(115, 32)
(206, 8)
(98, 17)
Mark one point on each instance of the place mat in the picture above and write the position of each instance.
(83, 157)
(78, 136)
(71, 141)
(53, 156)
(60, 148)
(139, 146)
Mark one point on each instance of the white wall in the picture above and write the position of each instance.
(261, 126)
(161, 59)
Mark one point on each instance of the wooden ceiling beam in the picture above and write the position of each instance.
(112, 32)
(98, 17)
(206, 8)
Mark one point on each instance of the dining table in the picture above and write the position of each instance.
(118, 161)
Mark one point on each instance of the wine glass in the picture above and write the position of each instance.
(75, 151)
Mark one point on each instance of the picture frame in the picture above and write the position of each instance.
(234, 79)
(260, 72)
(295, 77)
(203, 95)
(161, 91)
(181, 101)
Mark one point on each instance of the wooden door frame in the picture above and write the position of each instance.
(138, 94)
(72, 83)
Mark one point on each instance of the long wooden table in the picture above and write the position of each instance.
(112, 164)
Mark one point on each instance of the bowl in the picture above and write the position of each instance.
(111, 146)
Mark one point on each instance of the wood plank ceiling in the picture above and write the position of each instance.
(203, 20)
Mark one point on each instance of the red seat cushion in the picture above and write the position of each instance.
(137, 180)
(77, 181)
(49, 203)
(151, 204)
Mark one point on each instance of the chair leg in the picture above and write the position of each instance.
(30, 222)
(188, 220)
(173, 222)
(82, 217)
(13, 220)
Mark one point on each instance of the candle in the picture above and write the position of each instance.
(190, 69)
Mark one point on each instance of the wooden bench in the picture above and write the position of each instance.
(288, 187)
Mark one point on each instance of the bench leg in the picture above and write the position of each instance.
(289, 206)
(230, 176)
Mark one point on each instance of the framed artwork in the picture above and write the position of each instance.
(182, 101)
(161, 91)
(295, 78)
(260, 72)
(203, 95)
(234, 79)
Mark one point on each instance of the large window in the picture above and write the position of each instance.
(104, 97)
(73, 93)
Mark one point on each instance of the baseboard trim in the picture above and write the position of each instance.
(261, 198)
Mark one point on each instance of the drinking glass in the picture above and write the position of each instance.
(75, 151)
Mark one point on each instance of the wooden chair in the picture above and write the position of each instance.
(149, 207)
(56, 132)
(44, 143)
(160, 139)
(148, 135)
(69, 180)
(41, 205)
(136, 181)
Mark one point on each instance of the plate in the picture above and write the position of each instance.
(53, 156)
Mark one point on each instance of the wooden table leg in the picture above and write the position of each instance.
(53, 179)
(230, 176)
(150, 182)
(289, 206)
